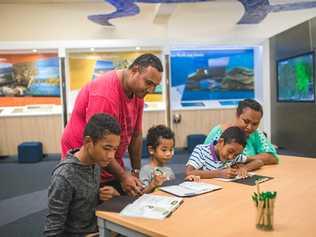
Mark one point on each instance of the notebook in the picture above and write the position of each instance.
(189, 189)
(251, 180)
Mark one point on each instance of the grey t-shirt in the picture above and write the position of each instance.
(72, 198)
(146, 174)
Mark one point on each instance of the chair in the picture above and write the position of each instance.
(144, 149)
(193, 140)
(29, 152)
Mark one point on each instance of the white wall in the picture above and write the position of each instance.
(28, 22)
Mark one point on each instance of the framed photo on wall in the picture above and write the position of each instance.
(87, 66)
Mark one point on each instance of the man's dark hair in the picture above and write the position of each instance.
(156, 133)
(249, 103)
(234, 134)
(147, 60)
(101, 125)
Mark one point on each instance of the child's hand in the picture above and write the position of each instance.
(228, 173)
(238, 165)
(242, 172)
(107, 192)
(193, 178)
(158, 180)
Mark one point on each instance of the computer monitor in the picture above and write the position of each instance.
(296, 78)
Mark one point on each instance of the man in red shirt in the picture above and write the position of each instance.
(119, 93)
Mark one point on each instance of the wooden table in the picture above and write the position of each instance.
(231, 212)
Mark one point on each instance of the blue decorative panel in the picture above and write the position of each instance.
(255, 10)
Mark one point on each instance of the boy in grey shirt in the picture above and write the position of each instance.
(74, 189)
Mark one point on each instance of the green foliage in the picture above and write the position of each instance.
(303, 77)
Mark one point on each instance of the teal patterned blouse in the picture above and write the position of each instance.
(257, 142)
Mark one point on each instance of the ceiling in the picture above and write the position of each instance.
(211, 20)
(255, 11)
(48, 1)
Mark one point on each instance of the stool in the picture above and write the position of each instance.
(29, 152)
(193, 140)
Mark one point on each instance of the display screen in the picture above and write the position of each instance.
(212, 74)
(295, 79)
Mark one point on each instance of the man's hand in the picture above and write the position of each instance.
(135, 172)
(228, 173)
(107, 192)
(132, 185)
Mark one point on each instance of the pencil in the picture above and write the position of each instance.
(259, 213)
(258, 188)
(271, 213)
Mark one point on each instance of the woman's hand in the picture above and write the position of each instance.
(242, 172)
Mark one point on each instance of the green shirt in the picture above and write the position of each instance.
(257, 142)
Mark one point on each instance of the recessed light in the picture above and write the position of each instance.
(137, 48)
(34, 50)
(92, 49)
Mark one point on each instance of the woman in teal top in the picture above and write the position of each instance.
(249, 114)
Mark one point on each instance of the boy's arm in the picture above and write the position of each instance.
(59, 197)
(150, 187)
(197, 161)
(107, 192)
(243, 169)
(157, 181)
(208, 174)
(150, 180)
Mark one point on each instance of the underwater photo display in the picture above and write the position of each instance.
(203, 75)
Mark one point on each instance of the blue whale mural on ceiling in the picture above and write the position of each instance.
(255, 10)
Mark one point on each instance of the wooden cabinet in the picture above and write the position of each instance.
(44, 128)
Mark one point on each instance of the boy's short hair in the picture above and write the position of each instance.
(249, 103)
(157, 132)
(101, 125)
(147, 60)
(234, 134)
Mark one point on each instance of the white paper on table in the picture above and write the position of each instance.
(187, 189)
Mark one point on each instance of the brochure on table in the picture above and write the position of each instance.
(152, 206)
